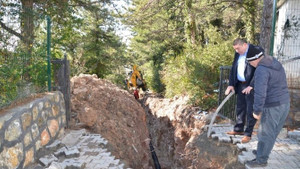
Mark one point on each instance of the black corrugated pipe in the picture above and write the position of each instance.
(154, 157)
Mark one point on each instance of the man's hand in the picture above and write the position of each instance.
(247, 90)
(257, 117)
(229, 89)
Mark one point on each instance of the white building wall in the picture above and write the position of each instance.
(287, 38)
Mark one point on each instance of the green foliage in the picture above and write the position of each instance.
(178, 45)
(21, 74)
(197, 76)
(118, 79)
(9, 77)
(182, 44)
(152, 77)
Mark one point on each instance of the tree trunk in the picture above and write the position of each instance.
(266, 25)
(27, 26)
(190, 24)
(251, 11)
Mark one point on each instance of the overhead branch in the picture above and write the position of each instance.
(11, 31)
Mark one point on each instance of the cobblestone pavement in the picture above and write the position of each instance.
(285, 154)
(78, 150)
(81, 150)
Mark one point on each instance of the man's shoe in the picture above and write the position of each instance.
(254, 164)
(246, 139)
(235, 133)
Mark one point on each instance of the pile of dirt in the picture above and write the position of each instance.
(103, 108)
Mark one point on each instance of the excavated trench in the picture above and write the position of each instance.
(178, 136)
(175, 129)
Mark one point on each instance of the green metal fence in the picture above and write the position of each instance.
(24, 54)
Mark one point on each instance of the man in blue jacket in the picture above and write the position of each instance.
(241, 82)
(271, 103)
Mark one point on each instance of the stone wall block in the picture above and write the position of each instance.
(4, 118)
(56, 98)
(61, 132)
(59, 121)
(29, 157)
(38, 145)
(41, 106)
(53, 127)
(27, 139)
(48, 113)
(51, 97)
(42, 119)
(26, 120)
(35, 113)
(40, 122)
(62, 105)
(55, 110)
(45, 137)
(62, 108)
(13, 131)
(35, 131)
(62, 120)
(44, 115)
(47, 104)
(61, 96)
(11, 157)
(1, 123)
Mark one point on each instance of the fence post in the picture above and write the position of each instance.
(49, 51)
(67, 94)
(273, 28)
(62, 83)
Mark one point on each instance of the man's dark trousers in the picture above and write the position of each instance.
(244, 110)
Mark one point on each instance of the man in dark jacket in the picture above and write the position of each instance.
(271, 103)
(241, 82)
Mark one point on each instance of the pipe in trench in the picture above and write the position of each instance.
(154, 157)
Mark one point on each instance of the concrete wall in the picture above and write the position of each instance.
(27, 128)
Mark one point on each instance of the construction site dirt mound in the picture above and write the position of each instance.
(103, 108)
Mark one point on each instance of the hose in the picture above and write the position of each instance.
(154, 157)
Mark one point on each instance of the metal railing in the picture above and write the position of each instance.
(229, 107)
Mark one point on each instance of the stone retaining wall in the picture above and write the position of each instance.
(27, 128)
